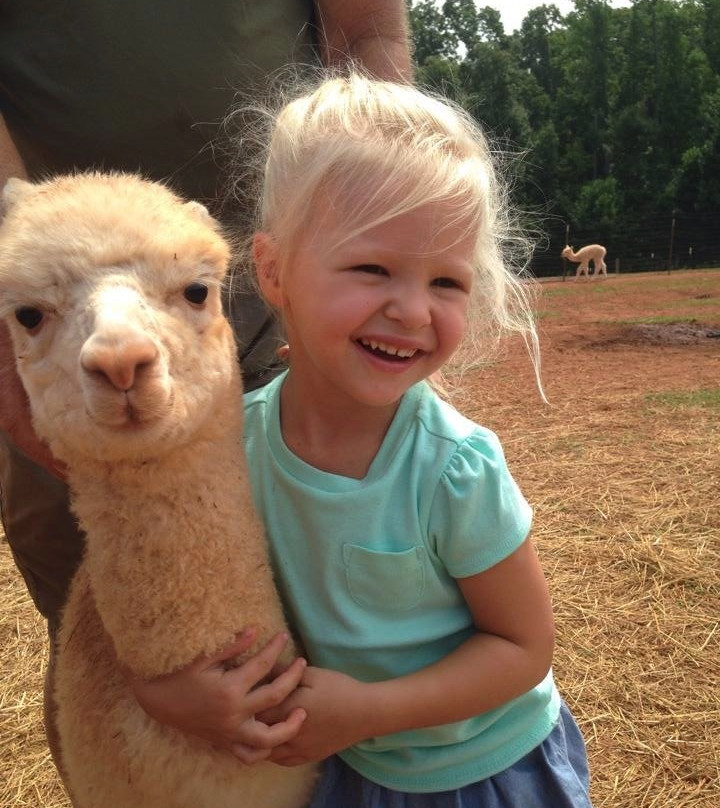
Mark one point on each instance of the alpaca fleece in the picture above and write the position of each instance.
(133, 382)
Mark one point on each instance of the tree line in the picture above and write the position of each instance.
(616, 113)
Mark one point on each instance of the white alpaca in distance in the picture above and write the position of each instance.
(110, 286)
(591, 252)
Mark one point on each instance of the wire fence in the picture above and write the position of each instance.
(663, 242)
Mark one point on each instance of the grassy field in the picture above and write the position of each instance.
(623, 469)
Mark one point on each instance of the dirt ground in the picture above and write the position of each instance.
(615, 327)
(623, 470)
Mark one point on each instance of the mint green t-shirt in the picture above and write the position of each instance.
(367, 571)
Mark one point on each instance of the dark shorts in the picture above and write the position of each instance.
(553, 775)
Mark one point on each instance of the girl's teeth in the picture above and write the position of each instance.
(391, 350)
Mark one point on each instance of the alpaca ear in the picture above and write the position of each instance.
(198, 211)
(15, 189)
(265, 255)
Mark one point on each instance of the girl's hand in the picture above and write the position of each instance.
(338, 715)
(219, 703)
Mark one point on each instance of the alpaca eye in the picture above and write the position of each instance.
(196, 293)
(29, 317)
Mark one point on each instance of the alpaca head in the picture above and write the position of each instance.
(110, 286)
(567, 251)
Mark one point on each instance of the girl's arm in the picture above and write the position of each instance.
(510, 653)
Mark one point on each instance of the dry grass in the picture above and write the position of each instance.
(28, 777)
(625, 484)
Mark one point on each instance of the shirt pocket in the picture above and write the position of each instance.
(387, 580)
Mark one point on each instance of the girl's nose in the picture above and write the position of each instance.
(410, 307)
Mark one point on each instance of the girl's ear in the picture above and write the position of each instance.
(265, 255)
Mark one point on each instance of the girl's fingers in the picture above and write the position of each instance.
(290, 760)
(248, 754)
(274, 692)
(257, 740)
(242, 642)
(253, 670)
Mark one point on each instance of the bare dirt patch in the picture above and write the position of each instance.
(623, 471)
(674, 334)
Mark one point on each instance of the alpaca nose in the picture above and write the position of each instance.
(118, 360)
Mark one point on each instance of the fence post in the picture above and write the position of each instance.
(672, 240)
(567, 242)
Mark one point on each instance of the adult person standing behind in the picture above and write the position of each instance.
(143, 86)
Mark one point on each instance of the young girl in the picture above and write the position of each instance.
(400, 539)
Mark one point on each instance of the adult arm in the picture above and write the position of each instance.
(15, 410)
(14, 407)
(374, 33)
(11, 164)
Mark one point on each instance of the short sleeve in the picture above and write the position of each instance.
(478, 515)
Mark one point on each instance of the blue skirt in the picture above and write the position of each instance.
(553, 775)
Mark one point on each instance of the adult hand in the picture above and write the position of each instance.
(15, 410)
(217, 701)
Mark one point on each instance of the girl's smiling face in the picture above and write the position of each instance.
(369, 315)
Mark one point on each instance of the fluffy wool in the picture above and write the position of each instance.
(134, 384)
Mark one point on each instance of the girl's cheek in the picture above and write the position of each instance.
(458, 329)
(348, 308)
(459, 314)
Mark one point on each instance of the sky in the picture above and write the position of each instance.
(513, 12)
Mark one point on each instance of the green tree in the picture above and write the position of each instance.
(617, 111)
(494, 81)
(463, 20)
(584, 55)
(536, 45)
(490, 26)
(659, 108)
(694, 187)
(599, 205)
(710, 32)
(430, 32)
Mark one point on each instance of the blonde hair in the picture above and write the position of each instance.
(402, 148)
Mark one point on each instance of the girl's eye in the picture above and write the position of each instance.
(371, 269)
(29, 317)
(447, 283)
(196, 293)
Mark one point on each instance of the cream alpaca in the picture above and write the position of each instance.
(133, 382)
(592, 252)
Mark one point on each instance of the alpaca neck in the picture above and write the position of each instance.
(168, 540)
